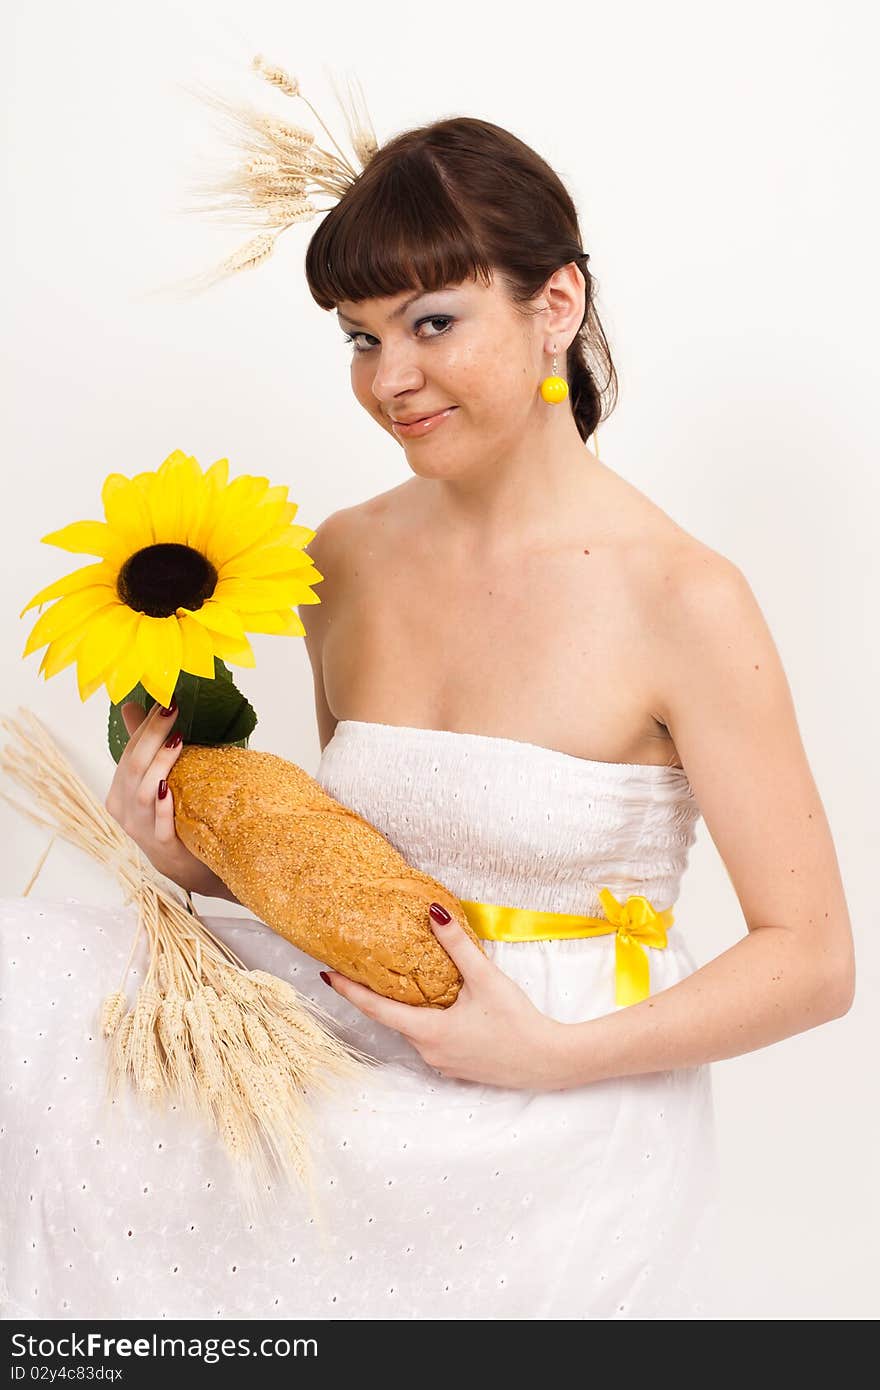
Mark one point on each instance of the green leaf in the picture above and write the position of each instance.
(209, 712)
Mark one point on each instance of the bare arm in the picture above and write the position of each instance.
(727, 703)
(222, 891)
(218, 889)
(205, 882)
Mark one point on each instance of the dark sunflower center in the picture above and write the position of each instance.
(161, 578)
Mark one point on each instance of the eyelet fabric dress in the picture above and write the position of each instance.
(442, 1198)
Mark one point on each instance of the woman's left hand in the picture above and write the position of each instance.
(492, 1033)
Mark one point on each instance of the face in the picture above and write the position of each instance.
(465, 347)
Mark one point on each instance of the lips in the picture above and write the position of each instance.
(418, 427)
(414, 419)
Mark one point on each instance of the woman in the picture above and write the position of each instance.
(534, 682)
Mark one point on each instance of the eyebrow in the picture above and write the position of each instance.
(395, 313)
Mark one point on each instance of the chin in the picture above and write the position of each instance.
(429, 469)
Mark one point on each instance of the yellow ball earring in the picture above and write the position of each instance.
(554, 388)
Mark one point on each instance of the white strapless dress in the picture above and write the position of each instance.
(442, 1199)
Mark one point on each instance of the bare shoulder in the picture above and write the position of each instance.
(686, 597)
(683, 575)
(694, 585)
(702, 616)
(656, 551)
(334, 550)
(328, 548)
(334, 536)
(383, 506)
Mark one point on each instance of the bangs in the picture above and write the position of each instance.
(397, 229)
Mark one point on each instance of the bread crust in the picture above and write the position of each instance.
(315, 871)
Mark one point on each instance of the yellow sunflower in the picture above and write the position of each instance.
(190, 562)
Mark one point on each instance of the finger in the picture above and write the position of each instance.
(137, 722)
(152, 731)
(133, 715)
(152, 762)
(165, 828)
(468, 956)
(410, 1019)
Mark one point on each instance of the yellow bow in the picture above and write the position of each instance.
(636, 924)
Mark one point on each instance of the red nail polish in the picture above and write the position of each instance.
(166, 712)
(439, 914)
(174, 740)
(325, 977)
(163, 789)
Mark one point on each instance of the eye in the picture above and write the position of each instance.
(435, 318)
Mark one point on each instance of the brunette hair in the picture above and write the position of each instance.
(453, 200)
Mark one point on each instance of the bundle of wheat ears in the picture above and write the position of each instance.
(280, 171)
(239, 1047)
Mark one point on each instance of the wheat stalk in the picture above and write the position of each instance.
(239, 1047)
(280, 170)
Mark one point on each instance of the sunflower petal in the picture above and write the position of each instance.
(281, 624)
(301, 535)
(211, 490)
(276, 559)
(257, 595)
(290, 512)
(69, 583)
(235, 507)
(68, 611)
(286, 532)
(166, 502)
(141, 494)
(283, 526)
(217, 476)
(88, 688)
(62, 651)
(311, 576)
(102, 645)
(190, 480)
(256, 525)
(200, 506)
(197, 647)
(128, 670)
(126, 513)
(89, 538)
(158, 641)
(219, 618)
(173, 493)
(85, 691)
(238, 653)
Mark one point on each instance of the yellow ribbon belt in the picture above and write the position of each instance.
(636, 924)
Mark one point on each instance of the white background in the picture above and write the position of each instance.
(723, 162)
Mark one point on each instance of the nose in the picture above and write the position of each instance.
(395, 373)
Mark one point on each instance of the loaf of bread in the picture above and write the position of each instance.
(315, 871)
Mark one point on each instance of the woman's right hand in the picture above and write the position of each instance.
(133, 799)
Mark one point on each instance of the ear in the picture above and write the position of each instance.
(566, 296)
